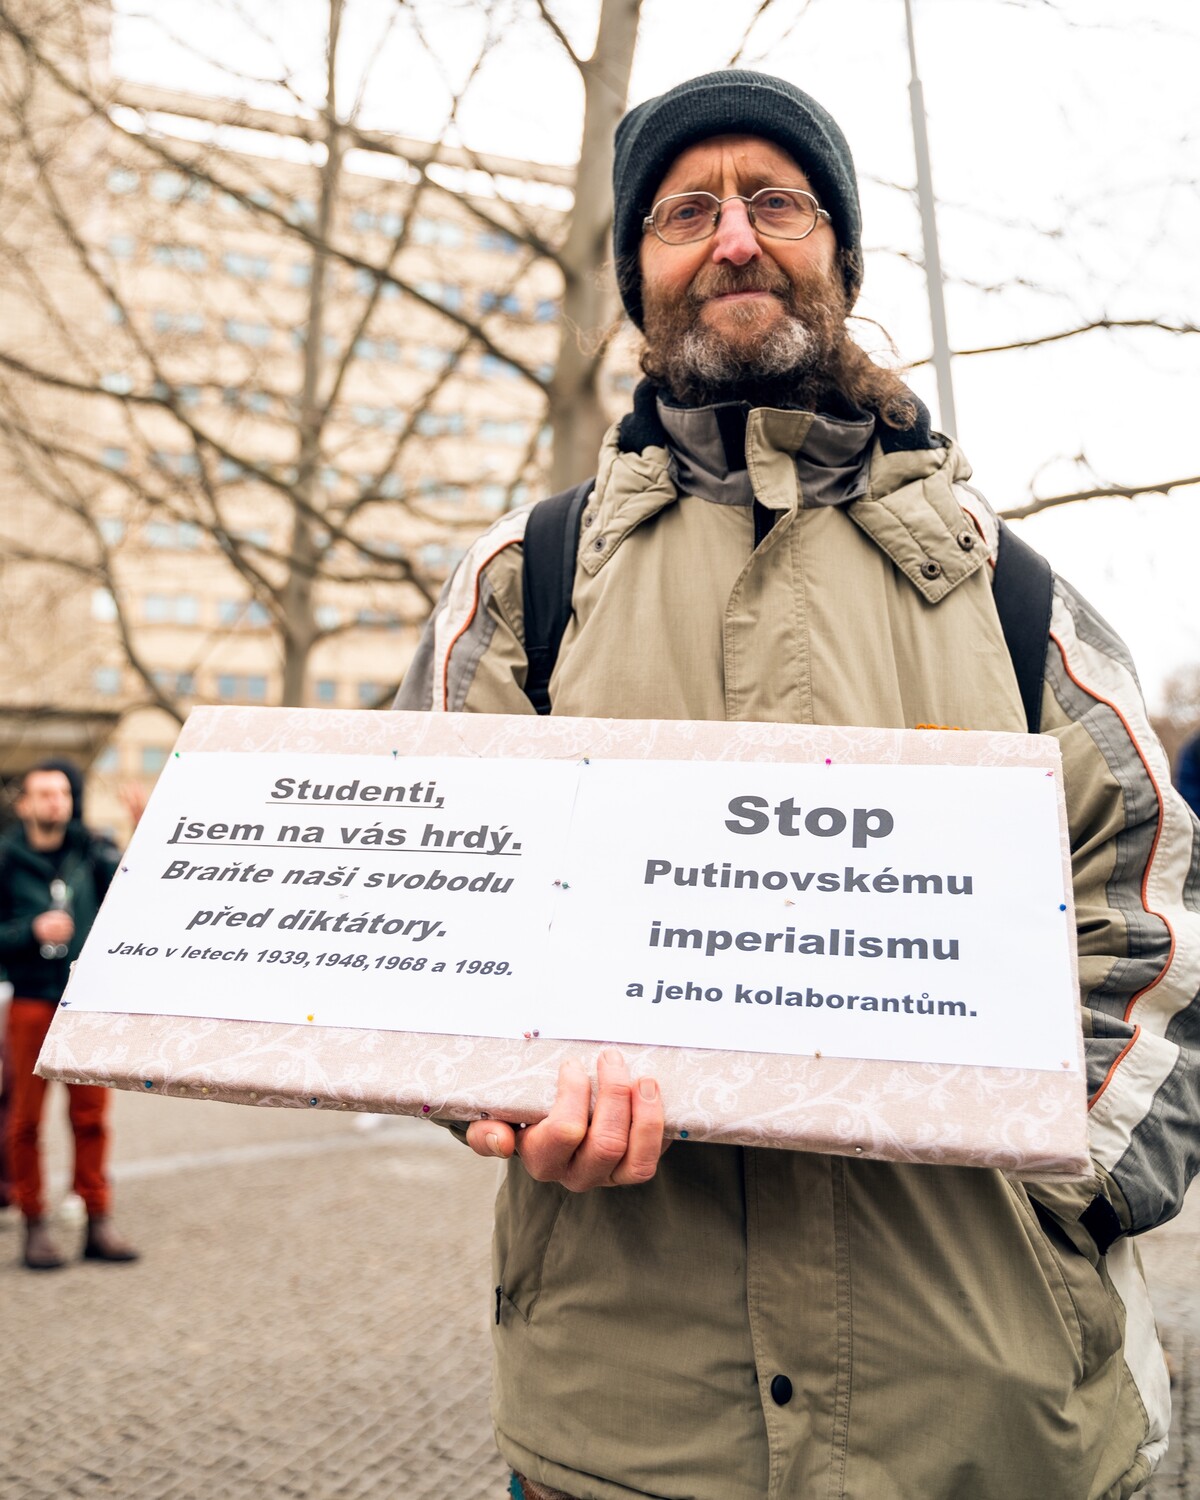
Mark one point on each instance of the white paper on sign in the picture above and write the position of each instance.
(395, 893)
(892, 912)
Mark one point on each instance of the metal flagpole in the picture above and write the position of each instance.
(933, 264)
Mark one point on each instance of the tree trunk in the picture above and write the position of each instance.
(589, 294)
(297, 596)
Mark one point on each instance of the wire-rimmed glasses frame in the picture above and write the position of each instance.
(704, 225)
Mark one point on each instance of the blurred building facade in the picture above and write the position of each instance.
(257, 393)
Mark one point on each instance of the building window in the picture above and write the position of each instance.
(184, 535)
(107, 681)
(327, 616)
(432, 358)
(301, 211)
(122, 246)
(369, 694)
(384, 349)
(171, 609)
(252, 689)
(112, 529)
(247, 400)
(514, 433)
(325, 690)
(154, 758)
(190, 323)
(494, 368)
(444, 494)
(108, 760)
(104, 606)
(365, 281)
(496, 240)
(439, 557)
(248, 267)
(437, 232)
(441, 424)
(364, 220)
(186, 465)
(254, 536)
(246, 613)
(445, 293)
(173, 187)
(122, 181)
(114, 458)
(182, 257)
(181, 683)
(545, 310)
(493, 497)
(505, 302)
(116, 382)
(241, 331)
(386, 417)
(300, 273)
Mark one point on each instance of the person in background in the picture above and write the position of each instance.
(1187, 772)
(53, 876)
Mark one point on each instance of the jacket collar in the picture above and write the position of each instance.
(643, 428)
(910, 508)
(709, 452)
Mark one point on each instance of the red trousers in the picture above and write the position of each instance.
(28, 1023)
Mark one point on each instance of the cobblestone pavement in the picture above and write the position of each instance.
(309, 1319)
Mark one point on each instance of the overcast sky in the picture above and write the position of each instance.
(1064, 140)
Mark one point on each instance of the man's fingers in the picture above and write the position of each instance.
(616, 1144)
(548, 1147)
(646, 1143)
(491, 1138)
(608, 1136)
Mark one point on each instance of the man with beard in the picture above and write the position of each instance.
(53, 876)
(776, 534)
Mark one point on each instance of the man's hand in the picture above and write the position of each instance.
(619, 1147)
(53, 927)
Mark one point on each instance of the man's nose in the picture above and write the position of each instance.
(735, 239)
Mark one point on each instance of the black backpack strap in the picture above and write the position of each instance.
(1024, 592)
(549, 551)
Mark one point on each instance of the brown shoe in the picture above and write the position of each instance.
(104, 1243)
(40, 1251)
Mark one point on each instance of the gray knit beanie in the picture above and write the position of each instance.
(731, 102)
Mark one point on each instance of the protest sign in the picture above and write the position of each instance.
(450, 887)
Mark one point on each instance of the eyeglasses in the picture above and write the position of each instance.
(778, 213)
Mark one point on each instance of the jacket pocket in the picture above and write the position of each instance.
(1080, 1286)
(526, 1215)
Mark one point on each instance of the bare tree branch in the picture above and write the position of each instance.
(1098, 492)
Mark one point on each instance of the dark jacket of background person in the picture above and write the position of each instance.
(86, 865)
(1187, 772)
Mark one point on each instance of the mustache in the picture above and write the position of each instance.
(721, 280)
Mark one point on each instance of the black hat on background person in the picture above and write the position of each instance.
(733, 101)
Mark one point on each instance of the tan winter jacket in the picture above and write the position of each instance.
(759, 1324)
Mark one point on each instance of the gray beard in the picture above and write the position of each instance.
(783, 367)
(703, 358)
